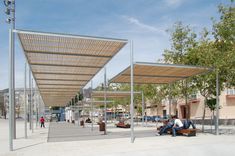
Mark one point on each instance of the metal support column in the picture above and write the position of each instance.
(186, 100)
(170, 100)
(13, 68)
(105, 103)
(217, 104)
(142, 108)
(132, 94)
(11, 90)
(37, 103)
(32, 103)
(91, 107)
(25, 102)
(79, 114)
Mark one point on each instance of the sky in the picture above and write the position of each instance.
(143, 21)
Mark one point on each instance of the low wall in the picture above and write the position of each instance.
(209, 122)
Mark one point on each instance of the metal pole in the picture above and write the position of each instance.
(186, 100)
(132, 95)
(13, 68)
(91, 107)
(25, 103)
(32, 107)
(82, 109)
(30, 102)
(217, 104)
(11, 90)
(170, 100)
(78, 113)
(143, 109)
(105, 103)
(36, 103)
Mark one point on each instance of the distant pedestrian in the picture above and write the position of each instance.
(42, 121)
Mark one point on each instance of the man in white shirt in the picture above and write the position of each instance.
(178, 125)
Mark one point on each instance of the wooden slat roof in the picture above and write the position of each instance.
(112, 94)
(62, 64)
(158, 73)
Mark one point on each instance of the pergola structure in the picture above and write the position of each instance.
(112, 94)
(61, 64)
(154, 73)
(158, 73)
(119, 94)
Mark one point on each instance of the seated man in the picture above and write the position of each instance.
(88, 120)
(187, 123)
(178, 125)
(164, 129)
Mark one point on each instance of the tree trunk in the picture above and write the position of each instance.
(186, 100)
(4, 112)
(213, 117)
(5, 115)
(187, 107)
(204, 113)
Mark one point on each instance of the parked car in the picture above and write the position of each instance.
(157, 118)
(148, 118)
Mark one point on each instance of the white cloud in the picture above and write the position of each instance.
(174, 3)
(143, 26)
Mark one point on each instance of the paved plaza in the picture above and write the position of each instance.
(67, 139)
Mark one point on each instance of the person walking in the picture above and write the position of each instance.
(42, 121)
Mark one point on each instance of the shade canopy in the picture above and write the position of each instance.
(112, 94)
(158, 73)
(63, 64)
(97, 102)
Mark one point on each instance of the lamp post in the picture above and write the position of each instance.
(10, 12)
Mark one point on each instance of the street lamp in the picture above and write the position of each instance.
(10, 12)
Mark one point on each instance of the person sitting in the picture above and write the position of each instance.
(187, 123)
(178, 125)
(167, 126)
(88, 120)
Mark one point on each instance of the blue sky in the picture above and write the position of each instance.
(143, 21)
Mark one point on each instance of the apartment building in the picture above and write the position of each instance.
(195, 106)
(20, 102)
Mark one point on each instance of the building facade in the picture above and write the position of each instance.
(37, 104)
(195, 107)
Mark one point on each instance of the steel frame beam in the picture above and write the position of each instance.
(52, 73)
(65, 65)
(67, 54)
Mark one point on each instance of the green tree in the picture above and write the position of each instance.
(217, 54)
(183, 40)
(224, 34)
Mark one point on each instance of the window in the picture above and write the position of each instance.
(193, 96)
(231, 91)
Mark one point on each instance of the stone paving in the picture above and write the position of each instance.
(146, 143)
(70, 132)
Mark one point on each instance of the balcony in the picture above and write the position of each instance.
(231, 96)
(194, 98)
(230, 93)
